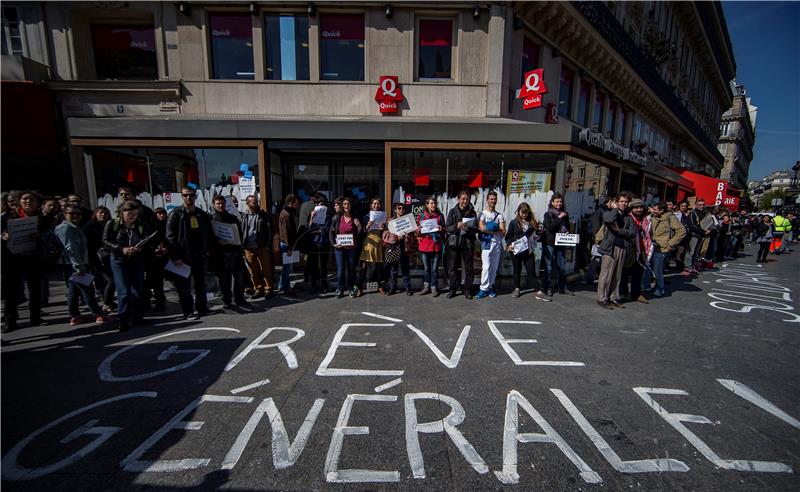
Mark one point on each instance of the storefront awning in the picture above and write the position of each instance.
(712, 190)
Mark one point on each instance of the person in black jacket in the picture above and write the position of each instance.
(227, 259)
(122, 237)
(461, 244)
(156, 259)
(523, 226)
(556, 220)
(257, 244)
(595, 223)
(319, 246)
(697, 233)
(98, 256)
(190, 241)
(617, 242)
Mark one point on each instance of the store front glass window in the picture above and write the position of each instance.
(653, 191)
(597, 115)
(435, 49)
(341, 46)
(583, 103)
(530, 58)
(287, 47)
(157, 174)
(232, 46)
(126, 52)
(565, 92)
(623, 125)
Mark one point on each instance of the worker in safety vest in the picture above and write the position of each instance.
(783, 230)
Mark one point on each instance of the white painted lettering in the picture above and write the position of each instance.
(748, 394)
(325, 370)
(449, 362)
(283, 346)
(506, 344)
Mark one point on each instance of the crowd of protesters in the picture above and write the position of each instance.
(115, 263)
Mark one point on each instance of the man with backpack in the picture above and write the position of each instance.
(667, 234)
(617, 233)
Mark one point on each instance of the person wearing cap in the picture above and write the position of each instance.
(635, 267)
(190, 241)
(122, 237)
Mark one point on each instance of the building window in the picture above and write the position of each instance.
(612, 117)
(623, 125)
(583, 103)
(124, 52)
(342, 46)
(530, 58)
(435, 49)
(13, 41)
(287, 47)
(565, 92)
(232, 46)
(597, 115)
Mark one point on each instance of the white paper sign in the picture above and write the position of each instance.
(344, 240)
(468, 221)
(22, 235)
(172, 201)
(520, 245)
(563, 239)
(428, 226)
(86, 279)
(227, 233)
(377, 218)
(403, 225)
(320, 212)
(295, 258)
(230, 207)
(247, 186)
(183, 270)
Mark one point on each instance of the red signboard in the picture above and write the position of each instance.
(533, 87)
(712, 190)
(388, 94)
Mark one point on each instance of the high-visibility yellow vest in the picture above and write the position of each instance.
(782, 224)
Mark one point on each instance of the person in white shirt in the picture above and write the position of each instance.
(492, 225)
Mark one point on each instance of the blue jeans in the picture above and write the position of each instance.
(556, 253)
(129, 279)
(284, 283)
(430, 261)
(345, 266)
(74, 289)
(658, 269)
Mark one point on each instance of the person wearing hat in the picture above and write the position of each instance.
(635, 262)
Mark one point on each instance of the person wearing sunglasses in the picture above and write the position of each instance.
(397, 251)
(190, 241)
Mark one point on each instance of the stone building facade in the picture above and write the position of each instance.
(737, 138)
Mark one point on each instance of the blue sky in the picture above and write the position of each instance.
(766, 44)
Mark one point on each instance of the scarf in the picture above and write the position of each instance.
(555, 213)
(643, 236)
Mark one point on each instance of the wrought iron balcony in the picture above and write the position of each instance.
(601, 18)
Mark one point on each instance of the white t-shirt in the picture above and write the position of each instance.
(487, 216)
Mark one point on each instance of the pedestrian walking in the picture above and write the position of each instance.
(764, 234)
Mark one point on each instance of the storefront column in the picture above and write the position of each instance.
(79, 165)
(91, 192)
(560, 177)
(263, 177)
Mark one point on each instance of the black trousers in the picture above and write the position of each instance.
(370, 270)
(763, 251)
(317, 265)
(184, 285)
(632, 276)
(460, 258)
(231, 277)
(154, 280)
(592, 270)
(17, 268)
(519, 261)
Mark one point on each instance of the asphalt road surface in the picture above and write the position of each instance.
(695, 391)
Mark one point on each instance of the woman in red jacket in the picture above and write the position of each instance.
(430, 244)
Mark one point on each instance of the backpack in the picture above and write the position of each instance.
(600, 234)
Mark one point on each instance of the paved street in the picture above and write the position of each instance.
(696, 391)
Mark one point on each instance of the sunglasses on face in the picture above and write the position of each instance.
(192, 195)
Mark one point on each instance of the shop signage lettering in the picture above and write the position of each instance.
(332, 34)
(552, 114)
(532, 89)
(609, 146)
(220, 33)
(388, 94)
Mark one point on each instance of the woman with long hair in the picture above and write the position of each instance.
(345, 228)
(99, 256)
(371, 257)
(520, 238)
(430, 246)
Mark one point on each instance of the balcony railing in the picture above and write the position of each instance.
(601, 18)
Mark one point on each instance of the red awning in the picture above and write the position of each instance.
(712, 190)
